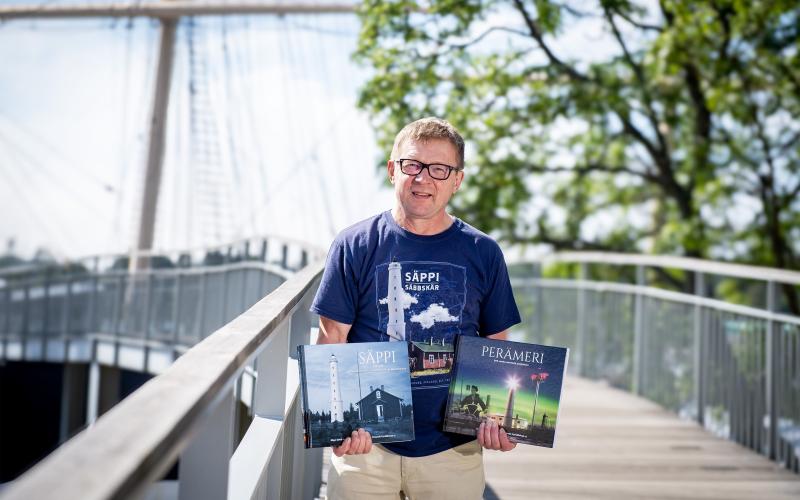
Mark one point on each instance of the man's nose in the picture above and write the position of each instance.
(421, 176)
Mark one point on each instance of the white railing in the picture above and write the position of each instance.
(735, 368)
(191, 413)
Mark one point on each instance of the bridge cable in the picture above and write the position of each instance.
(42, 220)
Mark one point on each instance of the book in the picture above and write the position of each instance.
(360, 385)
(516, 384)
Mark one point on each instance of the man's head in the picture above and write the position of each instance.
(426, 169)
(473, 389)
(427, 129)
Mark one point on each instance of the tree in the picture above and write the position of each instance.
(675, 132)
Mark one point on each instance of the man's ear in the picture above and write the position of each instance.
(459, 180)
(390, 170)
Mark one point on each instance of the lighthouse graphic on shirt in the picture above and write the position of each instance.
(421, 303)
(396, 329)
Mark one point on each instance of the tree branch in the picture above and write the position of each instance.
(596, 167)
(638, 24)
(536, 33)
(639, 73)
(459, 46)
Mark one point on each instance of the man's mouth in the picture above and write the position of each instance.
(418, 194)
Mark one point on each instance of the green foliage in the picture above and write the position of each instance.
(675, 133)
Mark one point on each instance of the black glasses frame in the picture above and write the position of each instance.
(426, 166)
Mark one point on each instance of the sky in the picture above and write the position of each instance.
(272, 144)
(274, 141)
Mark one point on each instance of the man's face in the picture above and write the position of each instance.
(421, 196)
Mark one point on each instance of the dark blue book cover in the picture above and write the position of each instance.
(516, 384)
(347, 386)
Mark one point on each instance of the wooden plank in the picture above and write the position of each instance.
(614, 445)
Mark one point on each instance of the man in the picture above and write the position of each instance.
(416, 274)
(473, 404)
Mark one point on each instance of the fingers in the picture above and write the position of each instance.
(343, 448)
(505, 443)
(495, 435)
(492, 437)
(368, 440)
(359, 442)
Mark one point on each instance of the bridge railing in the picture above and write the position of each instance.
(191, 412)
(733, 368)
(174, 308)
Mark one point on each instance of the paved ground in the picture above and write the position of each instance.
(613, 445)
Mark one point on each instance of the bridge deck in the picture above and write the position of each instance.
(614, 445)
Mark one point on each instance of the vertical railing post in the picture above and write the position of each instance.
(225, 285)
(203, 472)
(45, 313)
(93, 391)
(638, 334)
(65, 318)
(285, 256)
(120, 310)
(6, 319)
(26, 309)
(263, 254)
(269, 398)
(580, 341)
(91, 321)
(148, 314)
(176, 312)
(771, 371)
(201, 307)
(699, 348)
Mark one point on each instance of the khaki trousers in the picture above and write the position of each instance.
(455, 474)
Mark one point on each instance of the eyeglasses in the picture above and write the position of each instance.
(435, 170)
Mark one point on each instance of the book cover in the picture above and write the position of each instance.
(518, 385)
(347, 386)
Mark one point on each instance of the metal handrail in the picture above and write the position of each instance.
(668, 295)
(757, 273)
(137, 441)
(731, 367)
(312, 251)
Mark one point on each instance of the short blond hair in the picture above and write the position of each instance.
(430, 128)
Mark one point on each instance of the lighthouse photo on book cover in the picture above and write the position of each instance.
(348, 386)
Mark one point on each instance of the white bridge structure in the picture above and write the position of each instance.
(228, 407)
(218, 328)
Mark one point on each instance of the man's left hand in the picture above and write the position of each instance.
(492, 437)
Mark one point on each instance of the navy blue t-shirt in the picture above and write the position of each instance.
(394, 285)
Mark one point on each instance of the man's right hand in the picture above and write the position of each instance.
(358, 443)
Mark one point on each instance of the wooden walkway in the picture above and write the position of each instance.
(613, 445)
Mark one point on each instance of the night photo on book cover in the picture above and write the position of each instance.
(515, 384)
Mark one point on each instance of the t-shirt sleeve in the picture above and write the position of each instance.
(498, 307)
(337, 294)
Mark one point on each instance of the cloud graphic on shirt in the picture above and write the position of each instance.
(406, 299)
(435, 313)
